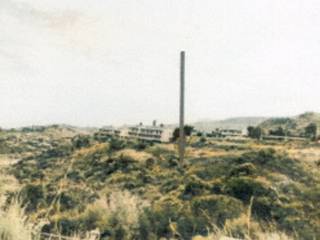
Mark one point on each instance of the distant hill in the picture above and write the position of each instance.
(294, 125)
(239, 123)
(56, 128)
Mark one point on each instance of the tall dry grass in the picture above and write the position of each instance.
(14, 225)
(120, 207)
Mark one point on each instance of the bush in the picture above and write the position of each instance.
(158, 151)
(116, 145)
(170, 184)
(124, 163)
(244, 188)
(32, 196)
(216, 186)
(75, 176)
(194, 187)
(141, 145)
(245, 169)
(81, 141)
(158, 217)
(270, 160)
(117, 217)
(126, 181)
(56, 152)
(261, 157)
(262, 208)
(216, 208)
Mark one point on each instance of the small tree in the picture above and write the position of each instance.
(255, 132)
(116, 144)
(81, 141)
(311, 131)
(187, 132)
(250, 130)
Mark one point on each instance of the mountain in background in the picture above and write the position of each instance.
(238, 123)
(294, 125)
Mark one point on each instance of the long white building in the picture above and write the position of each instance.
(151, 133)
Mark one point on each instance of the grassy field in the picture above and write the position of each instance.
(74, 184)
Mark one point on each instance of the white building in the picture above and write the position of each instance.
(151, 133)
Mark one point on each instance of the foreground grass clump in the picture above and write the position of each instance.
(14, 225)
(116, 217)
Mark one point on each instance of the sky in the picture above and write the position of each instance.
(102, 62)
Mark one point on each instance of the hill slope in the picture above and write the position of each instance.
(294, 125)
(239, 123)
(132, 190)
(139, 191)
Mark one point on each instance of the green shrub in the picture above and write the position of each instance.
(126, 181)
(61, 150)
(94, 217)
(216, 186)
(124, 163)
(194, 187)
(170, 184)
(157, 151)
(141, 145)
(116, 144)
(67, 226)
(261, 157)
(244, 188)
(150, 162)
(262, 208)
(75, 176)
(81, 141)
(245, 169)
(158, 217)
(32, 196)
(216, 208)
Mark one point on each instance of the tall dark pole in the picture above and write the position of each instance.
(182, 88)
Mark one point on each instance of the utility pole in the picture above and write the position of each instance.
(181, 130)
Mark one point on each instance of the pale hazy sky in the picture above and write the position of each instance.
(98, 62)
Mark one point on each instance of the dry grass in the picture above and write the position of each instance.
(14, 225)
(243, 224)
(139, 156)
(124, 206)
(91, 150)
(297, 150)
(261, 236)
(207, 153)
(308, 154)
(8, 183)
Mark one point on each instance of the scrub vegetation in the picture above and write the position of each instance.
(71, 183)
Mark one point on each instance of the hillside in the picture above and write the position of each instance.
(295, 126)
(238, 123)
(133, 190)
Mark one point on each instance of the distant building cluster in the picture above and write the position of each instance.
(227, 133)
(223, 133)
(153, 133)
